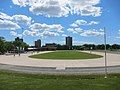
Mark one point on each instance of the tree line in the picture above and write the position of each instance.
(90, 47)
(10, 46)
(16, 46)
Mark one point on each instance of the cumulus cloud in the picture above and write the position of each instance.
(4, 16)
(49, 33)
(36, 29)
(43, 30)
(79, 23)
(64, 35)
(16, 18)
(13, 22)
(29, 33)
(86, 33)
(82, 42)
(40, 34)
(22, 19)
(59, 8)
(8, 25)
(15, 34)
(50, 8)
(75, 30)
(53, 27)
(92, 33)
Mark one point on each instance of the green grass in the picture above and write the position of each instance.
(17, 81)
(66, 55)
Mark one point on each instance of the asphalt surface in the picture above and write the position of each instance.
(57, 70)
(112, 52)
(29, 65)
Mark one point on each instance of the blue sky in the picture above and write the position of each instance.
(53, 20)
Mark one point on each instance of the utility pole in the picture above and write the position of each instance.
(105, 53)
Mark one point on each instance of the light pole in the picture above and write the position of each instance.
(105, 53)
(21, 40)
(33, 41)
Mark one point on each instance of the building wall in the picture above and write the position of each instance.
(38, 43)
(18, 39)
(69, 41)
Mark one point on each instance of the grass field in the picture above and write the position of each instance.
(66, 55)
(17, 81)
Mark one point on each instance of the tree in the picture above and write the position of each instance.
(2, 42)
(115, 46)
(24, 46)
(8, 46)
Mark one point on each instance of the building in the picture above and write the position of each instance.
(50, 45)
(69, 42)
(18, 39)
(38, 43)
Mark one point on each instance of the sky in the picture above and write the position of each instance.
(53, 20)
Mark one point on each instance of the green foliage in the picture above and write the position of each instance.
(17, 81)
(2, 42)
(6, 46)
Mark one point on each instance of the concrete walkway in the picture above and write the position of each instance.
(24, 60)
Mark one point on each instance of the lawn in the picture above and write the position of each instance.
(20, 81)
(66, 55)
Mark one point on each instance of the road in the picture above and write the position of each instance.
(54, 70)
(29, 65)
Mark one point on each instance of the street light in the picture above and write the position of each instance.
(33, 33)
(105, 53)
(21, 41)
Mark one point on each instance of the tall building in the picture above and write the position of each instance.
(18, 39)
(38, 43)
(69, 42)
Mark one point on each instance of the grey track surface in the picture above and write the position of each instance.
(53, 70)
(112, 52)
(29, 65)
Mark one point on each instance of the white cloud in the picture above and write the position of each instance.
(16, 18)
(93, 23)
(45, 30)
(71, 30)
(75, 30)
(50, 8)
(8, 25)
(4, 16)
(14, 22)
(40, 33)
(82, 42)
(59, 8)
(91, 33)
(15, 34)
(49, 33)
(22, 19)
(64, 35)
(91, 11)
(36, 29)
(29, 33)
(53, 27)
(86, 33)
(79, 23)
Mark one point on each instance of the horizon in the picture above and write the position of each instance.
(53, 20)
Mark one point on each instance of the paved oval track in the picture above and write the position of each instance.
(29, 65)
